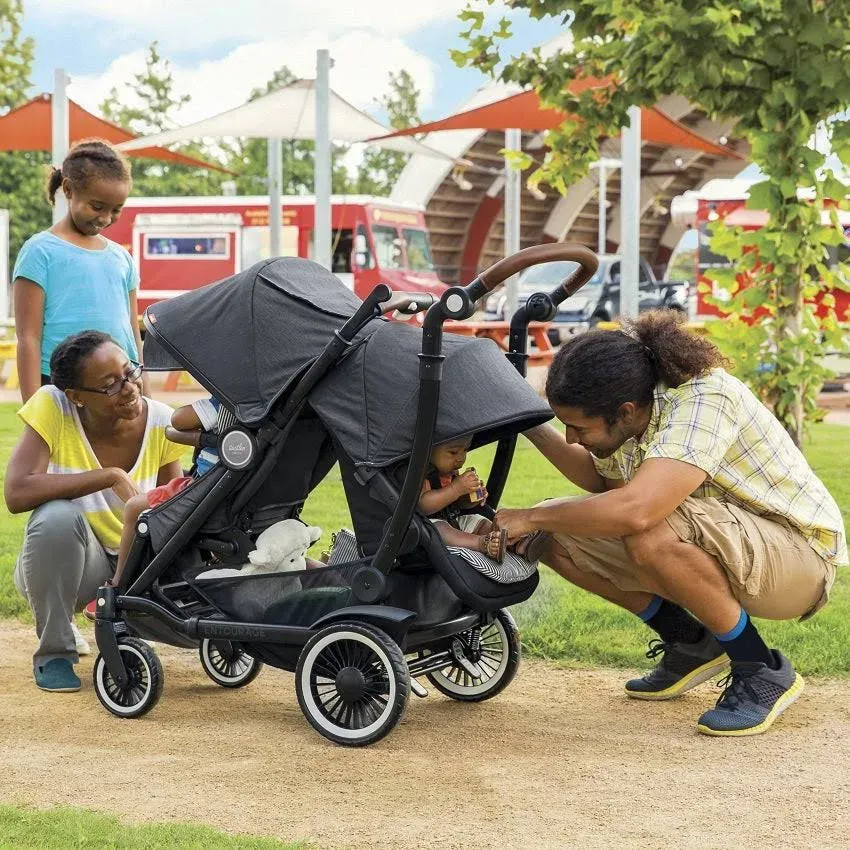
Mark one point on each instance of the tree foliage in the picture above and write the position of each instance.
(148, 104)
(782, 69)
(21, 173)
(379, 170)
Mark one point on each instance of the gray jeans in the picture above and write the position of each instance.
(59, 569)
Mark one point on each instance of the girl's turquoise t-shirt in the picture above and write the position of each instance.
(83, 290)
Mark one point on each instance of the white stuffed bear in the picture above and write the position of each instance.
(281, 548)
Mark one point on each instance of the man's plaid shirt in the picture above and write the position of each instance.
(716, 424)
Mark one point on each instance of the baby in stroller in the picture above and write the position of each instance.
(450, 498)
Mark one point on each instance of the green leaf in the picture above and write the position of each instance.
(760, 196)
(788, 187)
(474, 17)
(816, 31)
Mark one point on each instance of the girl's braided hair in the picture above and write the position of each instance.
(87, 159)
(600, 371)
(68, 357)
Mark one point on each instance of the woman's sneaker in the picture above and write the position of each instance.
(754, 696)
(682, 666)
(80, 642)
(56, 676)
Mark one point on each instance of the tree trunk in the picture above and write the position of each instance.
(789, 325)
(791, 412)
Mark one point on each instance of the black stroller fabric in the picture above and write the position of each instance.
(248, 337)
(369, 401)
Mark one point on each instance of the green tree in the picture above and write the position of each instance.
(249, 157)
(379, 169)
(782, 69)
(145, 105)
(21, 173)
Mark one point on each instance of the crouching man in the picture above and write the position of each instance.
(703, 513)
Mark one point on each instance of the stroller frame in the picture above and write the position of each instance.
(123, 658)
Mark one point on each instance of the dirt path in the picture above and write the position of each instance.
(561, 759)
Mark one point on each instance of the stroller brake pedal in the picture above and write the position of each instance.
(460, 657)
(417, 689)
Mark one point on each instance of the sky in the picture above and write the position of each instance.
(221, 50)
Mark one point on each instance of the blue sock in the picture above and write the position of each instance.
(743, 643)
(651, 610)
(672, 623)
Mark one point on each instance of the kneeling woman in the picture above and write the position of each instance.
(90, 442)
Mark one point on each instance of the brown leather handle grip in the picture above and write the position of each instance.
(408, 302)
(588, 262)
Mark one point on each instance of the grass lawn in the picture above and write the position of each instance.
(559, 622)
(69, 828)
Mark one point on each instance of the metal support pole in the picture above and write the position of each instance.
(60, 134)
(322, 224)
(630, 215)
(603, 211)
(513, 188)
(275, 180)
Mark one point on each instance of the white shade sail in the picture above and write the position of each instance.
(288, 113)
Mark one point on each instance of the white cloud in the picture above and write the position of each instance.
(194, 24)
(362, 62)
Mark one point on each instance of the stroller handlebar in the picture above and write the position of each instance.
(588, 262)
(408, 303)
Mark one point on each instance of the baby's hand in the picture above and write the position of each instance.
(469, 482)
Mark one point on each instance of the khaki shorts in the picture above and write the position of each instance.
(772, 570)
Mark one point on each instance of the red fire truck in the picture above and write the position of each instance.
(180, 244)
(727, 199)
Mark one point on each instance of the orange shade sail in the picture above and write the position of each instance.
(28, 128)
(524, 111)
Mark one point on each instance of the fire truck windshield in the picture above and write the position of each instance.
(418, 250)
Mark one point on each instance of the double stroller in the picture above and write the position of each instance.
(312, 377)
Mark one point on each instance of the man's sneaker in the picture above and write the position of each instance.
(754, 696)
(683, 666)
(57, 676)
(81, 643)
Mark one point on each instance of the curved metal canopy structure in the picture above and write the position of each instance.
(464, 209)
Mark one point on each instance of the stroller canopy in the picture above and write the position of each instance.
(248, 337)
(369, 401)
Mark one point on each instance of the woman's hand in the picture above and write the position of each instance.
(28, 484)
(516, 521)
(122, 485)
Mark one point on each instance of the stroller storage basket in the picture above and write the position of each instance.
(282, 599)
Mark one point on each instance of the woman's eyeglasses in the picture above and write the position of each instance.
(116, 386)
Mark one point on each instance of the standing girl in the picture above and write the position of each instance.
(70, 277)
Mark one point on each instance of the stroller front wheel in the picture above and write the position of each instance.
(144, 687)
(496, 652)
(227, 663)
(352, 683)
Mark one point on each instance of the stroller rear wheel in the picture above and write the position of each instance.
(496, 652)
(144, 688)
(352, 683)
(227, 663)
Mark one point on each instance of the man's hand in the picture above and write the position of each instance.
(516, 521)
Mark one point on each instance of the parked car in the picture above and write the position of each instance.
(597, 301)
